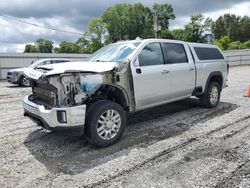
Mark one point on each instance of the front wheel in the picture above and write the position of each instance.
(211, 97)
(105, 123)
(24, 82)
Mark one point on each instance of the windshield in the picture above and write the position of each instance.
(36, 63)
(118, 52)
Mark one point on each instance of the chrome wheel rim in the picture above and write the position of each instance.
(109, 124)
(214, 94)
(25, 82)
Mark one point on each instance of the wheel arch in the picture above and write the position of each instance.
(216, 77)
(113, 93)
(20, 77)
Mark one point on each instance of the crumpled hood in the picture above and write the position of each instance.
(54, 69)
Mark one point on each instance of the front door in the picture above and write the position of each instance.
(151, 77)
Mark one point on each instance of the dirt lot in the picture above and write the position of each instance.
(175, 145)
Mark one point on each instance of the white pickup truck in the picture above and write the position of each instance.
(94, 97)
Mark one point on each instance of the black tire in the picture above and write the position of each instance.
(209, 100)
(94, 113)
(24, 82)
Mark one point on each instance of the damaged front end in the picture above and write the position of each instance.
(65, 90)
(60, 100)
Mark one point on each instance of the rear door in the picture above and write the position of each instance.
(182, 69)
(151, 77)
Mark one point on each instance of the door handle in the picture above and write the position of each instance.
(191, 69)
(165, 71)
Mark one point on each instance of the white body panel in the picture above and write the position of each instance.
(152, 89)
(205, 67)
(147, 91)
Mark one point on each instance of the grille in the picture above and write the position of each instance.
(45, 94)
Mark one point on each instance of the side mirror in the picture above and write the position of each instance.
(32, 62)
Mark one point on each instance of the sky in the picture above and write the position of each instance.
(74, 15)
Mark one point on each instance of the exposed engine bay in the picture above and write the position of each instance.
(68, 89)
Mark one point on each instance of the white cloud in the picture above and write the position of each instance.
(5, 47)
(15, 35)
(74, 16)
(242, 9)
(178, 23)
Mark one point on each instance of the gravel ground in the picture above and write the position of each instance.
(175, 145)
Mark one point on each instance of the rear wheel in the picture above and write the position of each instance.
(211, 97)
(24, 82)
(105, 123)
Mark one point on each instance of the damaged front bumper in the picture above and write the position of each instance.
(55, 118)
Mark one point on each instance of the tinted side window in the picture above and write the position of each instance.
(59, 61)
(208, 53)
(46, 63)
(175, 53)
(151, 55)
(53, 62)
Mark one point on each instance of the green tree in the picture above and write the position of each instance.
(97, 28)
(195, 30)
(228, 25)
(246, 45)
(83, 45)
(30, 49)
(226, 44)
(68, 47)
(44, 46)
(164, 13)
(139, 22)
(244, 29)
(41, 46)
(116, 19)
(223, 43)
(236, 45)
(166, 34)
(126, 21)
(56, 50)
(179, 34)
(94, 45)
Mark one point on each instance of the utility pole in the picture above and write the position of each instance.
(156, 26)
